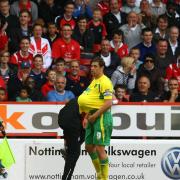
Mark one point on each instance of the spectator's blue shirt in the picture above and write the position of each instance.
(54, 96)
(145, 50)
(79, 10)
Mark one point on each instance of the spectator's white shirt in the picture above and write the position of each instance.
(161, 9)
(45, 51)
(107, 60)
(173, 46)
(118, 16)
(157, 31)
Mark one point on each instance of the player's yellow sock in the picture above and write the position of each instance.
(105, 168)
(96, 163)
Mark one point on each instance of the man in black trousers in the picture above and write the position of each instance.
(70, 121)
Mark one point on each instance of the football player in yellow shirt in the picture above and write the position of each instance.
(96, 101)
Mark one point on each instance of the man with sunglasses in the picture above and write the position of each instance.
(149, 69)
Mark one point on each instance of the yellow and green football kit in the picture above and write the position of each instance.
(99, 132)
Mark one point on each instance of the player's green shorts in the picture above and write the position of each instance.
(99, 132)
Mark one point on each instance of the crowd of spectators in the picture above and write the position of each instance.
(46, 47)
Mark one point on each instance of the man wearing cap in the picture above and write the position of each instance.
(16, 81)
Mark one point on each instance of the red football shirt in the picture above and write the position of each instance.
(122, 50)
(173, 71)
(46, 88)
(62, 49)
(71, 22)
(18, 58)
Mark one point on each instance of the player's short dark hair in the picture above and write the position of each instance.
(99, 60)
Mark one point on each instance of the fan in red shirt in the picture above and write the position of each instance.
(49, 85)
(103, 6)
(173, 71)
(65, 47)
(117, 44)
(23, 54)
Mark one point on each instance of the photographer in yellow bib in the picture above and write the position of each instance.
(96, 101)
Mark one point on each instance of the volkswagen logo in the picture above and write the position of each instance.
(170, 163)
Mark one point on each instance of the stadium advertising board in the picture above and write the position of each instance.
(129, 159)
(129, 120)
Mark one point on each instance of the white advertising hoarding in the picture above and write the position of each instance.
(129, 120)
(128, 159)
